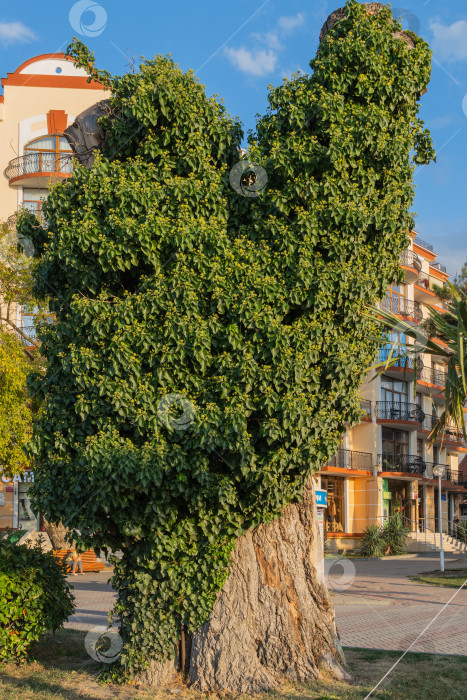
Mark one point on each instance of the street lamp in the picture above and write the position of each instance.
(440, 471)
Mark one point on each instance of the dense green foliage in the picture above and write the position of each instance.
(388, 540)
(16, 408)
(372, 544)
(249, 310)
(35, 597)
(394, 534)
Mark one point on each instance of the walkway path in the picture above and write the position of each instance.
(377, 606)
(383, 609)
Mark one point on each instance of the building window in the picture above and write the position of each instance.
(393, 391)
(395, 442)
(26, 517)
(30, 317)
(48, 154)
(33, 200)
(334, 513)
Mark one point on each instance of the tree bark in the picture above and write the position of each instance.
(273, 620)
(57, 534)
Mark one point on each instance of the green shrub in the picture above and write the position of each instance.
(372, 542)
(460, 531)
(394, 535)
(34, 597)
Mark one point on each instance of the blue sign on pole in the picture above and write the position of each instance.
(321, 498)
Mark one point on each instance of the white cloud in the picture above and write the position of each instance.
(15, 32)
(270, 39)
(450, 41)
(255, 62)
(260, 61)
(289, 24)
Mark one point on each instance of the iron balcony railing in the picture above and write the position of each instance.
(429, 282)
(411, 259)
(454, 476)
(404, 361)
(39, 163)
(423, 244)
(411, 464)
(451, 433)
(432, 376)
(365, 406)
(399, 410)
(351, 459)
(438, 266)
(401, 307)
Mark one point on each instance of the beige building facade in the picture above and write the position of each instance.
(385, 465)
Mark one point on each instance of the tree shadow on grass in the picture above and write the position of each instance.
(35, 686)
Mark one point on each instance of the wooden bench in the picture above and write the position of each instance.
(89, 559)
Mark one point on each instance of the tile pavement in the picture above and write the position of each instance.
(383, 609)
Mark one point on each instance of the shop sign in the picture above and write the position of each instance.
(444, 497)
(25, 478)
(387, 495)
(321, 498)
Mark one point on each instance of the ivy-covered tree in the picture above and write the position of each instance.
(208, 348)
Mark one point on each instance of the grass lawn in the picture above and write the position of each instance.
(450, 578)
(61, 669)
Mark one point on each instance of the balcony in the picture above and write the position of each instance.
(39, 169)
(451, 475)
(409, 310)
(351, 459)
(438, 266)
(435, 377)
(409, 464)
(423, 244)
(452, 434)
(411, 264)
(399, 411)
(404, 366)
(425, 289)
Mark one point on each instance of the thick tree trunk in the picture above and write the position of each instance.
(273, 619)
(57, 534)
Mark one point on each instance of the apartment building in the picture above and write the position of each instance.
(385, 465)
(40, 99)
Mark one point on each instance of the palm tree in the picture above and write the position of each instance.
(442, 334)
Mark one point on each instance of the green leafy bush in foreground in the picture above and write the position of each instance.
(34, 598)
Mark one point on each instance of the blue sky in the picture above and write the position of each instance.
(238, 49)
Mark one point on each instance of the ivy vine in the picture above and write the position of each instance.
(164, 281)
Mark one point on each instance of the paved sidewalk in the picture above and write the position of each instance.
(94, 598)
(383, 609)
(379, 608)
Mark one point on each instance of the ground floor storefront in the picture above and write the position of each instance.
(15, 503)
(355, 501)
